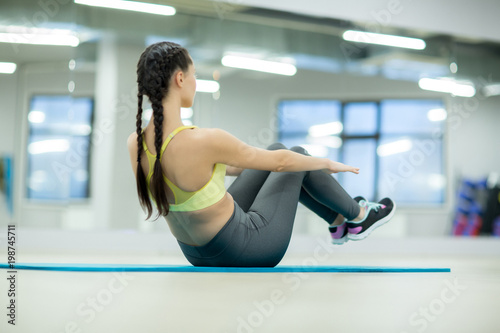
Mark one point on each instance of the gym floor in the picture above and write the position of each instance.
(465, 300)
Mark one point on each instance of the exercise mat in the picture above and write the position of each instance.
(86, 267)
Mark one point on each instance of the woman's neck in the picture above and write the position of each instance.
(171, 115)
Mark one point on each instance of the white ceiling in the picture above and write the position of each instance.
(217, 25)
(477, 19)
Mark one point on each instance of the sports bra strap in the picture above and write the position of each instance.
(170, 136)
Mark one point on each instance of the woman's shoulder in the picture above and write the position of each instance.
(211, 134)
(206, 136)
(201, 137)
(132, 141)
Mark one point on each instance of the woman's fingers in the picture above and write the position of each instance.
(337, 167)
(351, 169)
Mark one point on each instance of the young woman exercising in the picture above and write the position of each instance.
(182, 168)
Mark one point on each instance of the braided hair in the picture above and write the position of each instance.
(155, 68)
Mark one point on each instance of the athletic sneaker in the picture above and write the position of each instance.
(339, 232)
(376, 214)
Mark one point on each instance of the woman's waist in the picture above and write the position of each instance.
(230, 234)
(200, 226)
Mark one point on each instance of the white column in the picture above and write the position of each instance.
(113, 188)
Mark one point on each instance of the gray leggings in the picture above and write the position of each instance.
(259, 231)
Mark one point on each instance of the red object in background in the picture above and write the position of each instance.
(460, 224)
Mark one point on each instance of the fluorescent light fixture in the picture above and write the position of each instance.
(130, 5)
(331, 141)
(259, 65)
(491, 90)
(81, 129)
(436, 181)
(437, 115)
(37, 180)
(36, 117)
(7, 67)
(448, 86)
(326, 129)
(39, 36)
(186, 113)
(71, 86)
(453, 67)
(387, 40)
(207, 86)
(48, 146)
(395, 147)
(316, 150)
(147, 114)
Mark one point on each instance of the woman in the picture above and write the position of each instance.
(250, 223)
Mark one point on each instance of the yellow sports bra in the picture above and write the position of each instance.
(208, 195)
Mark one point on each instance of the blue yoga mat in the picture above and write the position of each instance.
(72, 267)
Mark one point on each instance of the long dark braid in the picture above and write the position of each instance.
(154, 71)
(142, 187)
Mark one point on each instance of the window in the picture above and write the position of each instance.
(59, 147)
(396, 143)
(410, 151)
(304, 123)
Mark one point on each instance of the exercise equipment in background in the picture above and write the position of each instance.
(477, 210)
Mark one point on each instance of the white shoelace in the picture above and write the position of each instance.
(369, 206)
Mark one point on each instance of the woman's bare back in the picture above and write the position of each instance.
(185, 165)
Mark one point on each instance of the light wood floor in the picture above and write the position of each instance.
(465, 300)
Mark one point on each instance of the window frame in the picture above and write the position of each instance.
(58, 202)
(377, 137)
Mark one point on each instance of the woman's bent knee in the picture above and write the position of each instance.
(300, 150)
(276, 145)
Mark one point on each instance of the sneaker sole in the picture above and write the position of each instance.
(377, 224)
(340, 241)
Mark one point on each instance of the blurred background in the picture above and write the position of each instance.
(407, 91)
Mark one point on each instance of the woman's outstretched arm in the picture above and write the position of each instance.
(233, 171)
(226, 148)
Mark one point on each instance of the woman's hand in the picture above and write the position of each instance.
(334, 167)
